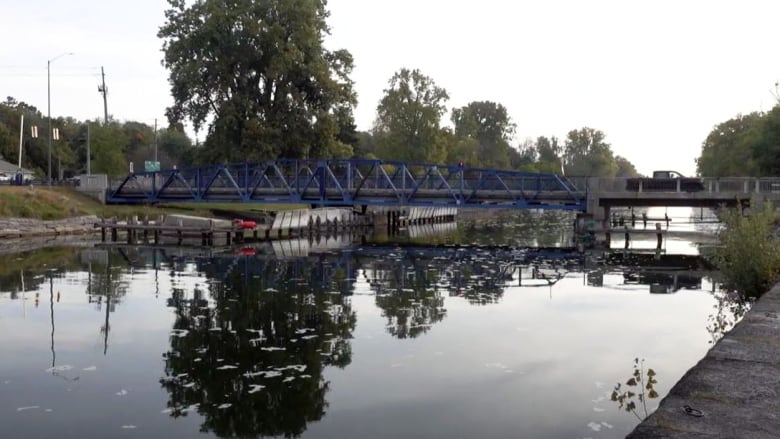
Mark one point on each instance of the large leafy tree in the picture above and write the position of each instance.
(728, 150)
(549, 152)
(108, 142)
(625, 168)
(489, 124)
(408, 124)
(766, 144)
(257, 74)
(586, 153)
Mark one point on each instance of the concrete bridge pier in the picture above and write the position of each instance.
(596, 212)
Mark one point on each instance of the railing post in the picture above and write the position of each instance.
(640, 185)
(246, 180)
(349, 177)
(758, 185)
(678, 184)
(197, 181)
(462, 183)
(745, 186)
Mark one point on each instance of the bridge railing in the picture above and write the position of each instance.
(724, 185)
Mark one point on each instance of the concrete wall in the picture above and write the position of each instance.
(94, 185)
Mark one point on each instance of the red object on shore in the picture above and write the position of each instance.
(244, 224)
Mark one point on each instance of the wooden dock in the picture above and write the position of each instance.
(134, 230)
(211, 232)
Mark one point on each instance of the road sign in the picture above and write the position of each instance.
(151, 166)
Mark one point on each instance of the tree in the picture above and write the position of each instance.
(587, 154)
(34, 150)
(175, 148)
(625, 168)
(408, 119)
(548, 152)
(728, 150)
(462, 149)
(366, 145)
(258, 70)
(489, 124)
(766, 144)
(524, 157)
(107, 149)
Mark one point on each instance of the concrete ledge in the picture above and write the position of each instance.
(736, 386)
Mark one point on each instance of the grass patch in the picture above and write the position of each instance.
(63, 202)
(24, 202)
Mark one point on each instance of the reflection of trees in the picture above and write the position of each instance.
(477, 282)
(730, 307)
(248, 353)
(409, 286)
(407, 296)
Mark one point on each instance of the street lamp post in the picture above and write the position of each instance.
(48, 103)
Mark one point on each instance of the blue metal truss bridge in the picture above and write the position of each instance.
(351, 182)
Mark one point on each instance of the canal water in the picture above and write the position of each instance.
(404, 337)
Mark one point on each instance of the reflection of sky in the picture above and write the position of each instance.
(97, 394)
(530, 366)
(537, 364)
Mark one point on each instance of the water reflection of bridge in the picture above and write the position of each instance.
(391, 268)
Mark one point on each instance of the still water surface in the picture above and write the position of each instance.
(373, 340)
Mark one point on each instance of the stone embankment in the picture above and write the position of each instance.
(14, 228)
(734, 392)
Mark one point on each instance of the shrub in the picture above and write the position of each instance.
(749, 252)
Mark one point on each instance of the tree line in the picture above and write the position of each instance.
(256, 76)
(745, 145)
(113, 144)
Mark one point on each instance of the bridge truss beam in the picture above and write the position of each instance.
(351, 182)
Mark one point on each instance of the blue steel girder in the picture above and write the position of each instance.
(352, 182)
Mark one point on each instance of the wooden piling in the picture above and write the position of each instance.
(114, 236)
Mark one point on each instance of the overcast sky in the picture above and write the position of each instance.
(655, 77)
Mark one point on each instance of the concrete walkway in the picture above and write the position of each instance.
(734, 390)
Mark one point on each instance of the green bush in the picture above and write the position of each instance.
(749, 252)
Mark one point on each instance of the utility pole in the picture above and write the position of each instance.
(155, 139)
(102, 89)
(89, 154)
(21, 132)
(48, 117)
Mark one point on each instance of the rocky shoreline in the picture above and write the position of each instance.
(14, 228)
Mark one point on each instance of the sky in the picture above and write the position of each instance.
(655, 77)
